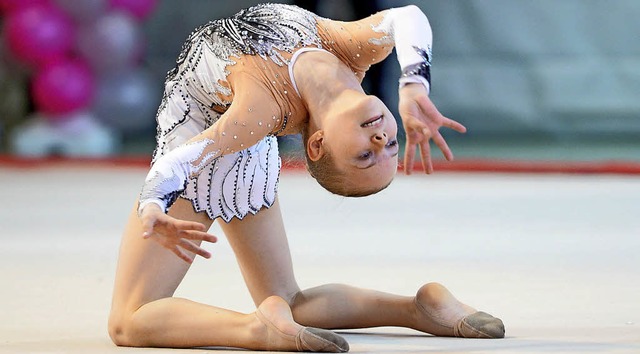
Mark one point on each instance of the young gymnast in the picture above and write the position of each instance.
(239, 82)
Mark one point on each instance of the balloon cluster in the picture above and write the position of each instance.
(84, 63)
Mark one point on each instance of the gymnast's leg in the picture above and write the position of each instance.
(145, 314)
(262, 251)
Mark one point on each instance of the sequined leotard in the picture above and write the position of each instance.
(244, 59)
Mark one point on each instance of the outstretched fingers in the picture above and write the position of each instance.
(443, 146)
(409, 154)
(452, 124)
(191, 247)
(189, 225)
(425, 155)
(198, 236)
(187, 233)
(194, 231)
(181, 237)
(182, 255)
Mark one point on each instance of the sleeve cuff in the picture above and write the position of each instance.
(146, 202)
(414, 79)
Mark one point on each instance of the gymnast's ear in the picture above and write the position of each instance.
(315, 146)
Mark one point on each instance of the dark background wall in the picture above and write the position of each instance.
(529, 78)
(542, 67)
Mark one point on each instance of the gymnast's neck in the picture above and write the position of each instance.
(325, 84)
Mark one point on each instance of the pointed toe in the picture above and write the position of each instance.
(320, 340)
(480, 325)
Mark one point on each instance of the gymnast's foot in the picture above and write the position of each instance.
(441, 314)
(282, 333)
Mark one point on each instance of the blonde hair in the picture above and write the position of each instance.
(325, 172)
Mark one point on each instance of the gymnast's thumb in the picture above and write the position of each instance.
(147, 228)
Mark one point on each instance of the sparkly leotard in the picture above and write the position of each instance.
(245, 60)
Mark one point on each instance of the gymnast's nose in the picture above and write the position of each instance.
(380, 138)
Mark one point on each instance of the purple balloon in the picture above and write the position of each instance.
(63, 88)
(39, 34)
(85, 10)
(140, 9)
(111, 43)
(128, 101)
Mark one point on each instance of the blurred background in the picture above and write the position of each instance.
(531, 79)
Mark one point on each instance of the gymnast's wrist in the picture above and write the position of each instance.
(151, 203)
(414, 80)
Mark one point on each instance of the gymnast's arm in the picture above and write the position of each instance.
(413, 38)
(420, 117)
(410, 31)
(247, 121)
(370, 40)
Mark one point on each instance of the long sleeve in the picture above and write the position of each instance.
(413, 39)
(368, 41)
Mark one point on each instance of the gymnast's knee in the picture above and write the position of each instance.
(292, 297)
(124, 330)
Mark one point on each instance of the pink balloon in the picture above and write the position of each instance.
(63, 87)
(39, 34)
(140, 9)
(7, 6)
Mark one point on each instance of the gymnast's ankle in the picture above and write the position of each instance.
(280, 332)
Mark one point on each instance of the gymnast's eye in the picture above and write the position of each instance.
(392, 143)
(365, 156)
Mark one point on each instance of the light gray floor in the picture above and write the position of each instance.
(555, 256)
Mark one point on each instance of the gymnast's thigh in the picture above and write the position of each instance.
(260, 244)
(146, 271)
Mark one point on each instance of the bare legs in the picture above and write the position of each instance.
(145, 313)
(262, 251)
(434, 310)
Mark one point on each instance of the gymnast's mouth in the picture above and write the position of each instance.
(373, 121)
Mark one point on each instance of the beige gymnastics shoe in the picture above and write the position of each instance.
(479, 325)
(441, 314)
(284, 334)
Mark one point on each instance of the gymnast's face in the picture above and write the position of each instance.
(361, 139)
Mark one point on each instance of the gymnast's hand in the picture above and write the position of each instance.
(422, 121)
(175, 235)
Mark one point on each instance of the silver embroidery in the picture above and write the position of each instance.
(201, 67)
(207, 159)
(238, 184)
(162, 187)
(197, 93)
(422, 68)
(259, 30)
(169, 176)
(385, 27)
